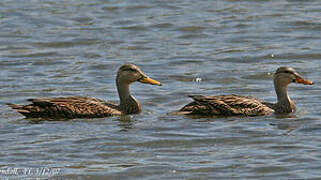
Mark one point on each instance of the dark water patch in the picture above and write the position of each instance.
(48, 62)
(138, 7)
(126, 22)
(153, 171)
(299, 56)
(162, 25)
(313, 129)
(181, 78)
(191, 29)
(103, 67)
(64, 44)
(270, 169)
(137, 48)
(186, 60)
(91, 55)
(193, 36)
(135, 28)
(110, 8)
(83, 19)
(36, 54)
(259, 77)
(188, 143)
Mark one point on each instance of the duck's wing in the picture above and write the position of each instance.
(226, 105)
(67, 107)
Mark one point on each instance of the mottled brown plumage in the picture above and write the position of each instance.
(235, 105)
(226, 105)
(87, 107)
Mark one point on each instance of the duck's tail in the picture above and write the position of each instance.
(19, 109)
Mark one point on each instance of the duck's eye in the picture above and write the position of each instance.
(290, 72)
(132, 69)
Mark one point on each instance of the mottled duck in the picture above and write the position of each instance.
(235, 105)
(87, 107)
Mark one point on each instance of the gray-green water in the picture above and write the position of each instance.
(59, 48)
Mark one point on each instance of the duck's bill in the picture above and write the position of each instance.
(303, 81)
(148, 80)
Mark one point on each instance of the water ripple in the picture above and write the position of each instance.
(50, 48)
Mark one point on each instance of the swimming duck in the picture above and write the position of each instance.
(235, 105)
(88, 107)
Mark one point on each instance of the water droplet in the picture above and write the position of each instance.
(198, 79)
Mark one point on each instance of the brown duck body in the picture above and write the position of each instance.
(235, 105)
(68, 107)
(226, 105)
(87, 107)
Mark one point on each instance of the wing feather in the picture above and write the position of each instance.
(68, 107)
(226, 105)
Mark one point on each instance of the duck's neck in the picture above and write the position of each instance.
(128, 104)
(284, 104)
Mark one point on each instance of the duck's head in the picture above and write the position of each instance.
(286, 75)
(129, 73)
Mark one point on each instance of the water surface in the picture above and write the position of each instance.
(61, 48)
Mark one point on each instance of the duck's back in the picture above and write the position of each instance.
(226, 105)
(67, 107)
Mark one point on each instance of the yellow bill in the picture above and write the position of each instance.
(303, 81)
(148, 80)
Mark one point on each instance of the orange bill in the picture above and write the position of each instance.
(148, 80)
(303, 81)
